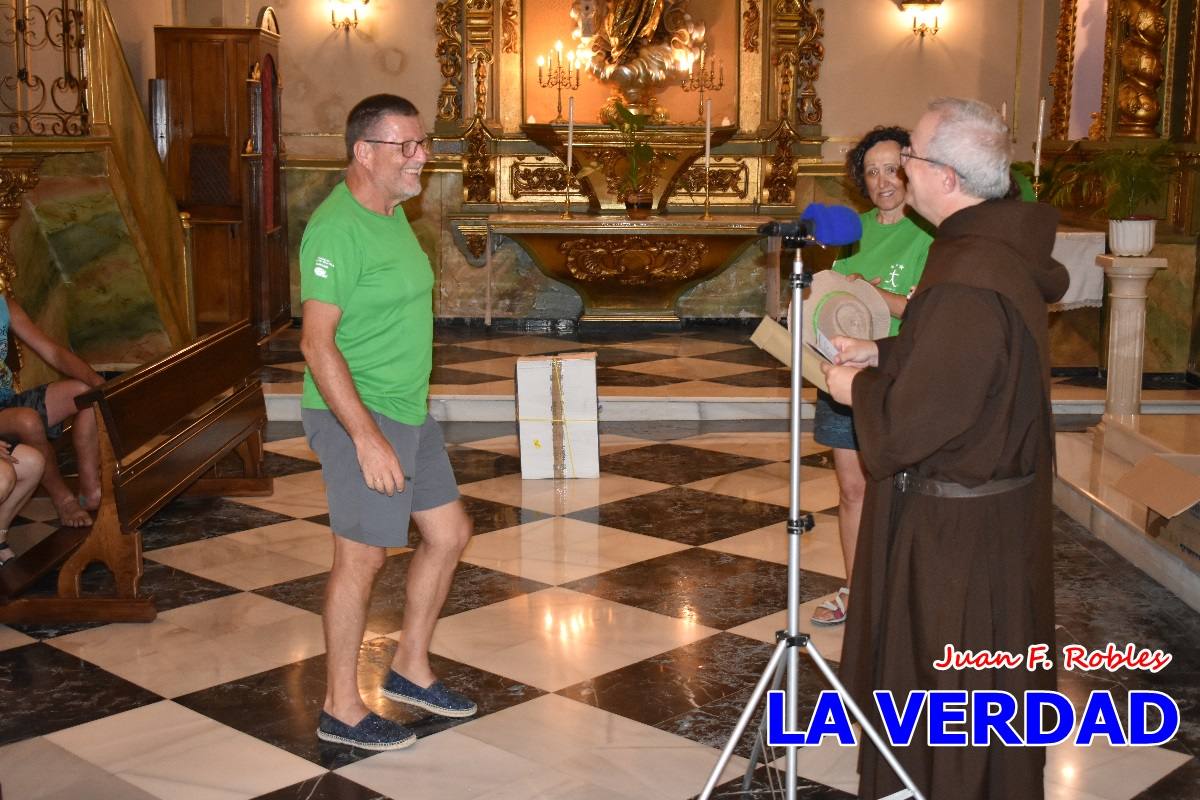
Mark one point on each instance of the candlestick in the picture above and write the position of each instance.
(558, 77)
(710, 77)
(707, 155)
(1037, 147)
(570, 156)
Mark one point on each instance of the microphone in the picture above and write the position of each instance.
(832, 226)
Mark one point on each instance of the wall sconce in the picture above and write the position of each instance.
(922, 12)
(343, 14)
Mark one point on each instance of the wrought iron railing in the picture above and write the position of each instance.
(43, 88)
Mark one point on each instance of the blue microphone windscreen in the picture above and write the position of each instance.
(833, 226)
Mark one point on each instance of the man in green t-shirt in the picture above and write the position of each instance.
(366, 288)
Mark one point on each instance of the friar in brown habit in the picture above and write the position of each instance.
(955, 430)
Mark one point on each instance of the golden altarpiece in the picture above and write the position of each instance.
(514, 70)
(1149, 93)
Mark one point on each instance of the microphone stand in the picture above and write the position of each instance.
(791, 640)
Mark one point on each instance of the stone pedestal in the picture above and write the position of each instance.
(1128, 278)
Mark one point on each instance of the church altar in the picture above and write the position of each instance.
(631, 270)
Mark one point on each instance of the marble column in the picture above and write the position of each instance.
(1128, 278)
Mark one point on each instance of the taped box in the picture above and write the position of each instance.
(557, 415)
(1168, 485)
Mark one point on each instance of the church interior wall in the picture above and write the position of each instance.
(874, 71)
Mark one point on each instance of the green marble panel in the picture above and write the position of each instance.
(79, 273)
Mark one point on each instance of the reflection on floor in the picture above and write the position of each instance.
(611, 630)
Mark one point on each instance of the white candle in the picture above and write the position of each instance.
(707, 130)
(570, 136)
(1004, 110)
(1037, 145)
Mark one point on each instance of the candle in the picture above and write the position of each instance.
(1004, 110)
(541, 62)
(707, 131)
(570, 136)
(1037, 145)
(558, 54)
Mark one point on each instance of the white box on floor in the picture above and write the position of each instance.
(557, 416)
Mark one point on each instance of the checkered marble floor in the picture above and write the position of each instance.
(611, 631)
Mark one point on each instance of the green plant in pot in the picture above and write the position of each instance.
(1129, 181)
(638, 182)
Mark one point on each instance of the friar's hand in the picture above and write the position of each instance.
(380, 466)
(839, 380)
(855, 352)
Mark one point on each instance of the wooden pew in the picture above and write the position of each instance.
(162, 427)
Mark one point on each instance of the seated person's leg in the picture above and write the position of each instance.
(8, 483)
(28, 421)
(60, 407)
(26, 471)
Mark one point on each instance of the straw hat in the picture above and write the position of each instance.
(838, 306)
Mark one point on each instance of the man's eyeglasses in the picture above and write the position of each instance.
(907, 153)
(408, 147)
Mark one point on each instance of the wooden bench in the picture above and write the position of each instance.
(162, 427)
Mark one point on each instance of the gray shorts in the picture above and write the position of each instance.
(362, 514)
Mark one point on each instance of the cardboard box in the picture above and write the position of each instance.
(557, 415)
(1168, 484)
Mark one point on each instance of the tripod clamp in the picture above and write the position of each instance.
(795, 527)
(799, 640)
(799, 280)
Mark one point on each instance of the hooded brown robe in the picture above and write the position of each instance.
(960, 395)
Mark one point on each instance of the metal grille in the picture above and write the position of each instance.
(43, 91)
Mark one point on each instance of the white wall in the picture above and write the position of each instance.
(877, 72)
(135, 21)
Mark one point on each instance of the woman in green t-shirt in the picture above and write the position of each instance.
(891, 255)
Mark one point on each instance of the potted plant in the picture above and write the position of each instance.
(1129, 181)
(637, 184)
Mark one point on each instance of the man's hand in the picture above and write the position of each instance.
(839, 380)
(379, 464)
(855, 352)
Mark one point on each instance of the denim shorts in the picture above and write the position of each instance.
(833, 425)
(357, 511)
(35, 398)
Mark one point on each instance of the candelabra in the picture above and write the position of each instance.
(710, 78)
(559, 77)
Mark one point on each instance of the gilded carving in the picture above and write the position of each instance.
(479, 176)
(1064, 69)
(1144, 24)
(613, 163)
(547, 179)
(780, 183)
(481, 81)
(508, 20)
(750, 24)
(724, 180)
(449, 55)
(476, 242)
(797, 52)
(18, 174)
(634, 260)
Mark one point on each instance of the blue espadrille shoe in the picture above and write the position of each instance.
(372, 733)
(438, 698)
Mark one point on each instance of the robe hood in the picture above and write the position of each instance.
(1027, 228)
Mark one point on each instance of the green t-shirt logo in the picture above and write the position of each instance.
(322, 267)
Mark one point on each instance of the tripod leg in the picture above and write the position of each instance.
(868, 728)
(760, 689)
(758, 741)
